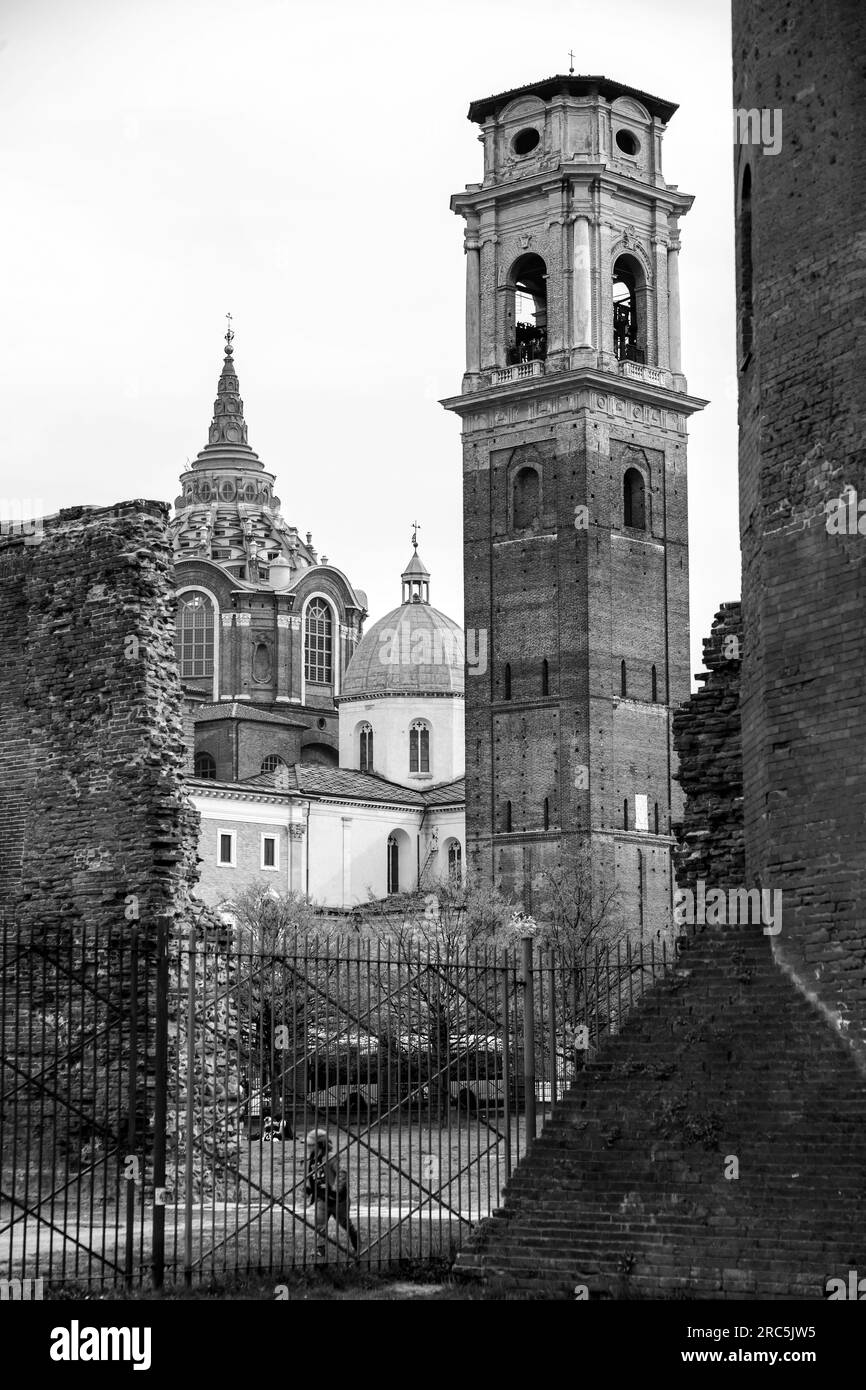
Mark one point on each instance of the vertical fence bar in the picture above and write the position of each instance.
(190, 1116)
(528, 1036)
(160, 1102)
(131, 1102)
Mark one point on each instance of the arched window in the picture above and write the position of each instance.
(393, 865)
(205, 765)
(525, 498)
(455, 862)
(629, 310)
(508, 817)
(623, 684)
(547, 813)
(196, 634)
(625, 814)
(744, 241)
(527, 311)
(319, 643)
(419, 747)
(271, 762)
(545, 677)
(365, 758)
(634, 499)
(506, 682)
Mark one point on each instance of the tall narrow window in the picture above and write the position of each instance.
(393, 865)
(547, 813)
(318, 643)
(525, 499)
(419, 747)
(625, 814)
(545, 677)
(506, 681)
(745, 259)
(455, 861)
(634, 500)
(508, 817)
(655, 686)
(629, 296)
(205, 765)
(656, 818)
(623, 686)
(527, 311)
(196, 634)
(365, 760)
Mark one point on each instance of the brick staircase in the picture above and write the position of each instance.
(624, 1190)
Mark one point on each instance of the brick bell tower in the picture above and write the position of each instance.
(574, 409)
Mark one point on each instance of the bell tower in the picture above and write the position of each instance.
(574, 409)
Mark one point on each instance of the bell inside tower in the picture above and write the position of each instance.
(629, 311)
(527, 311)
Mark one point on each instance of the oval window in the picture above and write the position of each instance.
(525, 141)
(626, 141)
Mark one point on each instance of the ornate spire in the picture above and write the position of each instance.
(228, 425)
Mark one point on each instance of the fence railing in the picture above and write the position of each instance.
(177, 1109)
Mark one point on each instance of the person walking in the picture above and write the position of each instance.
(328, 1187)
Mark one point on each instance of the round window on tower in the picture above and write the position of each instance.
(627, 142)
(525, 141)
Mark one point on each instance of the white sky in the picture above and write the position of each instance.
(163, 161)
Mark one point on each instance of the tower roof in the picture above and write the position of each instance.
(571, 84)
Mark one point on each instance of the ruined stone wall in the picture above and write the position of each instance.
(92, 805)
(97, 837)
(708, 744)
(802, 296)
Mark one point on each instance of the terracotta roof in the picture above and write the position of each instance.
(239, 709)
(314, 779)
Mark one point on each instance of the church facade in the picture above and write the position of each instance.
(574, 412)
(322, 760)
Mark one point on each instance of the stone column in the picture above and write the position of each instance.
(674, 308)
(582, 285)
(473, 307)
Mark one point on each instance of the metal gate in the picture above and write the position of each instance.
(158, 1095)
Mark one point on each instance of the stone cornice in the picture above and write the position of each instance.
(551, 386)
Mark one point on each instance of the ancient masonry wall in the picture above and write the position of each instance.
(92, 807)
(97, 836)
(802, 359)
(708, 744)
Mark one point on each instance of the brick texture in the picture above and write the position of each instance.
(625, 1190)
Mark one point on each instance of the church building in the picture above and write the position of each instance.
(322, 761)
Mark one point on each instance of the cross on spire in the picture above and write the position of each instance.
(571, 61)
(229, 334)
(416, 527)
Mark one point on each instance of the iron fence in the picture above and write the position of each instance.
(184, 1108)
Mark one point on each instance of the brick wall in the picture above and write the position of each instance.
(708, 743)
(802, 406)
(91, 749)
(630, 1189)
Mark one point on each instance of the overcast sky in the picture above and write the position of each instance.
(164, 161)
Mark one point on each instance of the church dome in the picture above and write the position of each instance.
(413, 650)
